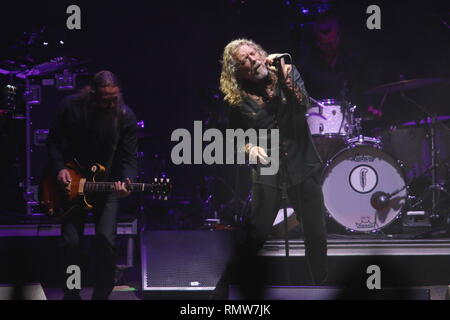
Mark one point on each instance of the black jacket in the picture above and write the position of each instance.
(297, 151)
(77, 134)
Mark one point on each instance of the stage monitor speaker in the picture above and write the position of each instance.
(184, 262)
(27, 292)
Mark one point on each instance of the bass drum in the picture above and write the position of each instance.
(352, 183)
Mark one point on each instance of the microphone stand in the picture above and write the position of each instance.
(284, 195)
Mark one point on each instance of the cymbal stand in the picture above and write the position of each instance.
(435, 187)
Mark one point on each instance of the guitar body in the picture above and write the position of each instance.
(58, 202)
(55, 200)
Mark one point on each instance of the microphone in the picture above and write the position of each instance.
(277, 61)
(380, 200)
(281, 56)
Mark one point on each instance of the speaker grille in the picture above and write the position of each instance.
(184, 260)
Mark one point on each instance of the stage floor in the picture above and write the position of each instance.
(360, 246)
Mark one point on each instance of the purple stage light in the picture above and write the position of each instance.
(141, 124)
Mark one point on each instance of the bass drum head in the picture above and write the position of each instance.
(351, 182)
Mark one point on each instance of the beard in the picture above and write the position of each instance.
(106, 124)
(260, 71)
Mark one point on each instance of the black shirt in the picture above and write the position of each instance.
(78, 134)
(297, 150)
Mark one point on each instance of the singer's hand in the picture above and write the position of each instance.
(287, 72)
(258, 153)
(270, 61)
(291, 85)
(270, 64)
(271, 57)
(287, 76)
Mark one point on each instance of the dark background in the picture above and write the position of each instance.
(167, 53)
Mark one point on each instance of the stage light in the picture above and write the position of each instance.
(141, 124)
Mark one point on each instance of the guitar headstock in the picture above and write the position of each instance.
(161, 188)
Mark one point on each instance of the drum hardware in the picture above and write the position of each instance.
(380, 200)
(363, 140)
(364, 158)
(435, 187)
(329, 117)
(331, 122)
(364, 188)
(401, 87)
(354, 140)
(401, 163)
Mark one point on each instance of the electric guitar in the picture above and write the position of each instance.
(57, 201)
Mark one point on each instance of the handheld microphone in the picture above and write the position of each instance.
(277, 61)
(283, 56)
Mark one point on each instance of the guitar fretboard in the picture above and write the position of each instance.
(156, 187)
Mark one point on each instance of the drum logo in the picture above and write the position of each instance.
(365, 223)
(363, 158)
(363, 179)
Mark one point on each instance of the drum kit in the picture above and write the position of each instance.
(371, 177)
(366, 180)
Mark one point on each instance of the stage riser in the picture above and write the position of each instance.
(37, 259)
(158, 247)
(40, 255)
(396, 271)
(26, 292)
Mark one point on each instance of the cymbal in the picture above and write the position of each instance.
(404, 85)
(426, 121)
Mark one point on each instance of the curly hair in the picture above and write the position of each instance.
(229, 84)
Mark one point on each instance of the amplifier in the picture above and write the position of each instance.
(54, 229)
(177, 262)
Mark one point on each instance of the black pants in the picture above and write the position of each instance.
(307, 201)
(72, 230)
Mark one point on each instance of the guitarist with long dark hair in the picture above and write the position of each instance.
(95, 126)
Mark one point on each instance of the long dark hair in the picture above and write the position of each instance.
(104, 125)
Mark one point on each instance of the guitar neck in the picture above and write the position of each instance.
(92, 187)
